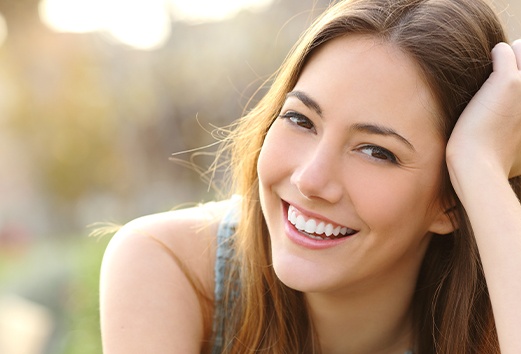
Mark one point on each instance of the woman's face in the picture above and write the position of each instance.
(355, 160)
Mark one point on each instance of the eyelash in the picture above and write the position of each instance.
(298, 119)
(305, 123)
(385, 155)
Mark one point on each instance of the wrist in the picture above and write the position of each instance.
(470, 174)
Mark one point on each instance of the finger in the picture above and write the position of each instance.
(516, 46)
(503, 58)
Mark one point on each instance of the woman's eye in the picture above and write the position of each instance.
(379, 153)
(298, 119)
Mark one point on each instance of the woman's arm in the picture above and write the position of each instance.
(147, 303)
(483, 152)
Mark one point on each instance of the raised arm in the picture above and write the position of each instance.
(147, 302)
(483, 152)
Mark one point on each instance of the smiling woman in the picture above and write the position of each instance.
(378, 211)
(141, 24)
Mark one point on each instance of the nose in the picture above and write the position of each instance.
(318, 176)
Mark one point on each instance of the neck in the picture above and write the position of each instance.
(361, 322)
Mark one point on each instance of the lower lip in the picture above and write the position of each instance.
(302, 240)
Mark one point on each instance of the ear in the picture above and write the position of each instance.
(445, 222)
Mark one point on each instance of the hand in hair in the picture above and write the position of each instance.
(483, 152)
(488, 132)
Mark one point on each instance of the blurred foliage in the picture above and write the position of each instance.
(92, 123)
(83, 304)
(63, 276)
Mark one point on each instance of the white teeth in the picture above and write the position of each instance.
(312, 227)
(315, 237)
(320, 228)
(329, 230)
(301, 223)
(292, 217)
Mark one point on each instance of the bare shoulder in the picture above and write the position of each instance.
(186, 234)
(147, 301)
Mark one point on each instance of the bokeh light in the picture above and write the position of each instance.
(77, 16)
(141, 24)
(3, 30)
(197, 11)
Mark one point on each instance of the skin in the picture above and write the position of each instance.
(329, 169)
(148, 306)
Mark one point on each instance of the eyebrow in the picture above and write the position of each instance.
(380, 130)
(308, 101)
(359, 127)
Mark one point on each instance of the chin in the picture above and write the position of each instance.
(302, 274)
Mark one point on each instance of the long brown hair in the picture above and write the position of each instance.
(451, 41)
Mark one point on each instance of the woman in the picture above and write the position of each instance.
(378, 209)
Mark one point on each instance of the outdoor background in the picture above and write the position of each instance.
(95, 96)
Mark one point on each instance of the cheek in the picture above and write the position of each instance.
(275, 157)
(264, 163)
(390, 199)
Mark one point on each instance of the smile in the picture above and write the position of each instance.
(317, 229)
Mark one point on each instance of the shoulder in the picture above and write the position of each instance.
(186, 234)
(147, 299)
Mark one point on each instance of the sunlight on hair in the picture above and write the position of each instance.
(141, 24)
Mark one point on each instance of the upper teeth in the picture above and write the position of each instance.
(313, 226)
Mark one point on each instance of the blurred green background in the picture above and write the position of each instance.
(95, 95)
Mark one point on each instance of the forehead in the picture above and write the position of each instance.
(369, 79)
